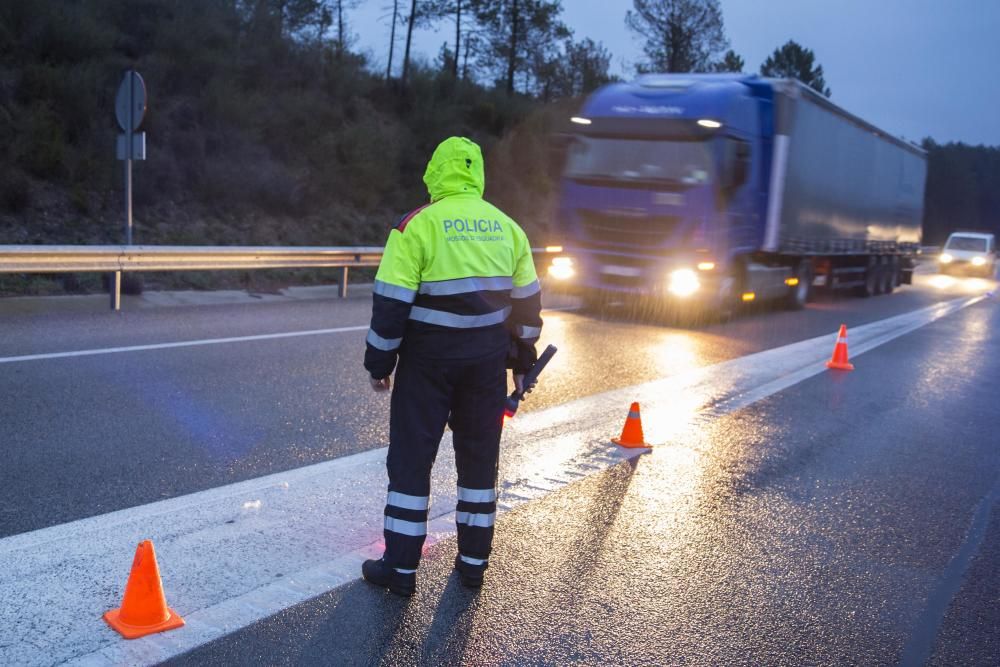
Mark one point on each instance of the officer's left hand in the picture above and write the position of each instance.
(381, 385)
(519, 385)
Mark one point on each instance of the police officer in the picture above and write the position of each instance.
(456, 301)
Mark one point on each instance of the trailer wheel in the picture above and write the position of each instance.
(879, 277)
(798, 296)
(889, 280)
(872, 276)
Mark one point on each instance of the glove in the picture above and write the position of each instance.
(521, 356)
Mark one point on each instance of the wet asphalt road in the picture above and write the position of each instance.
(853, 519)
(92, 434)
(849, 519)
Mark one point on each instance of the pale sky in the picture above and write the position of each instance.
(915, 68)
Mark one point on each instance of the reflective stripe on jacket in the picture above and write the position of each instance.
(457, 279)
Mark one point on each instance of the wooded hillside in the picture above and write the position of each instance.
(257, 132)
(265, 126)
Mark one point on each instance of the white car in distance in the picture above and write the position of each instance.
(969, 252)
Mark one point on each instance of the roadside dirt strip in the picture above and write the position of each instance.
(232, 555)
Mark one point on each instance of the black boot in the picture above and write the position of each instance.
(471, 575)
(380, 573)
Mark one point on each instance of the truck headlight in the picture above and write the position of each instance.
(562, 268)
(683, 283)
(978, 261)
(945, 258)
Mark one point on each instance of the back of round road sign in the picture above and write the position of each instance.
(130, 102)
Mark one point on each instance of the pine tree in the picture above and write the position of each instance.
(792, 61)
(681, 35)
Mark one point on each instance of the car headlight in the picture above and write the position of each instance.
(945, 258)
(978, 261)
(683, 283)
(562, 268)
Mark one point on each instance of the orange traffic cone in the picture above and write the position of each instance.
(144, 609)
(839, 359)
(632, 433)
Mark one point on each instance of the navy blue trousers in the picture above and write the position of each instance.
(469, 397)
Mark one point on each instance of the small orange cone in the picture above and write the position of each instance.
(839, 359)
(144, 609)
(632, 433)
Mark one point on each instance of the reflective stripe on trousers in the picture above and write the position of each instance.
(468, 396)
(404, 527)
(474, 519)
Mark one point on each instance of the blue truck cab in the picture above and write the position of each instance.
(671, 190)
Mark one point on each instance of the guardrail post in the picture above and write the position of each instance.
(115, 288)
(343, 282)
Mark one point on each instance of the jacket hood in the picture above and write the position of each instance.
(456, 167)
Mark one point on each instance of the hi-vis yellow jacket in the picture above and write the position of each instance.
(457, 280)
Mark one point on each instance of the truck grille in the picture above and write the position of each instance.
(623, 281)
(646, 234)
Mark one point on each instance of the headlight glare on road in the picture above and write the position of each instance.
(562, 268)
(945, 258)
(683, 283)
(978, 261)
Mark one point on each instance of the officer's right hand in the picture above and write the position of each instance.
(519, 384)
(381, 385)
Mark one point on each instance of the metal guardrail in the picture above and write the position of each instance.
(117, 259)
(82, 259)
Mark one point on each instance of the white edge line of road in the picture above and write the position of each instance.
(218, 620)
(183, 343)
(196, 343)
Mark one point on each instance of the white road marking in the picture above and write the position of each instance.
(183, 343)
(236, 554)
(196, 343)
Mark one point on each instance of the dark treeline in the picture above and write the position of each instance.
(963, 190)
(267, 125)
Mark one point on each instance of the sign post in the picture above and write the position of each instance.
(130, 108)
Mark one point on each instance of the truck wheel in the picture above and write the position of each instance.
(870, 288)
(881, 271)
(799, 294)
(881, 278)
(889, 281)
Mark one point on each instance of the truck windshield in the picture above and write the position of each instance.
(640, 160)
(971, 243)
